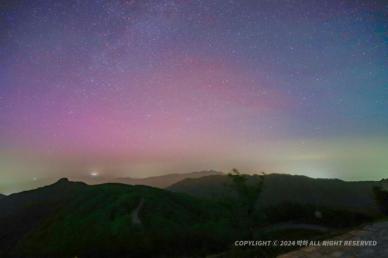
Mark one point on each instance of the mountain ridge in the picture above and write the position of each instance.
(161, 181)
(164, 181)
(284, 188)
(68, 219)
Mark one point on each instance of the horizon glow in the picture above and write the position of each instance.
(140, 88)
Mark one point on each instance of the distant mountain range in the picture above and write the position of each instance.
(277, 189)
(162, 181)
(281, 188)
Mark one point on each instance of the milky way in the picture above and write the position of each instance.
(165, 86)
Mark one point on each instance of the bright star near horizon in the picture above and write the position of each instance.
(94, 173)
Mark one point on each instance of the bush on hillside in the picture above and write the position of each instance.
(381, 197)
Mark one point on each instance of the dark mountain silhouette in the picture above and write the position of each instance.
(164, 180)
(73, 219)
(68, 219)
(22, 212)
(279, 189)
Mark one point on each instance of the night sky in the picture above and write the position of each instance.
(139, 88)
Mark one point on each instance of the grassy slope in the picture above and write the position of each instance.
(69, 219)
(280, 189)
(96, 221)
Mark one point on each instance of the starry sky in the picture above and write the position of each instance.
(139, 88)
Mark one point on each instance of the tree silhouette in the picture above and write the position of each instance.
(247, 196)
(381, 197)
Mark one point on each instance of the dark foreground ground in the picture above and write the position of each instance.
(73, 219)
(377, 232)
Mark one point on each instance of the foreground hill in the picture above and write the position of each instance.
(279, 189)
(73, 219)
(68, 219)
